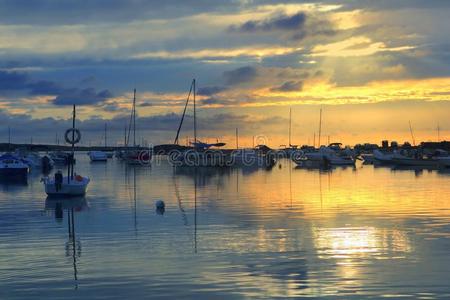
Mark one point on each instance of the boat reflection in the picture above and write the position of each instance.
(72, 206)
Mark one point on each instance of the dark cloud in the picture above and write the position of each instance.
(298, 26)
(289, 86)
(283, 22)
(44, 87)
(13, 81)
(81, 97)
(240, 75)
(210, 90)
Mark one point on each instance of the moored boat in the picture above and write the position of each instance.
(95, 156)
(12, 167)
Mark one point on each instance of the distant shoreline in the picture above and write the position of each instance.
(161, 149)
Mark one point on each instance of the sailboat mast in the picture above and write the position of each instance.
(290, 125)
(412, 135)
(320, 126)
(438, 132)
(105, 134)
(134, 119)
(182, 116)
(195, 117)
(237, 138)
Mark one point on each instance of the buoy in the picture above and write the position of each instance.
(160, 207)
(160, 204)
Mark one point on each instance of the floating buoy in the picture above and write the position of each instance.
(160, 207)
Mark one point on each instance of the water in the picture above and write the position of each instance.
(231, 234)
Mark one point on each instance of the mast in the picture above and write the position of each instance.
(290, 125)
(70, 167)
(9, 138)
(438, 132)
(412, 135)
(134, 119)
(320, 126)
(182, 117)
(237, 138)
(125, 137)
(195, 118)
(105, 134)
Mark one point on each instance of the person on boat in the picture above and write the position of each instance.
(58, 180)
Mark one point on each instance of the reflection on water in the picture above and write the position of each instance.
(364, 232)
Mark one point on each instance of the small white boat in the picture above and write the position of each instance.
(12, 167)
(326, 156)
(59, 157)
(417, 160)
(73, 184)
(76, 186)
(98, 156)
(383, 157)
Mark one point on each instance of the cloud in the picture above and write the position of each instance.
(87, 96)
(215, 54)
(299, 26)
(13, 81)
(284, 22)
(210, 90)
(289, 86)
(240, 75)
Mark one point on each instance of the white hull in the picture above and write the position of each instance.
(327, 156)
(383, 157)
(98, 156)
(76, 187)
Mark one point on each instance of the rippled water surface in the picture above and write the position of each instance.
(350, 233)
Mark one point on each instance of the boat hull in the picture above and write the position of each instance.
(13, 173)
(68, 189)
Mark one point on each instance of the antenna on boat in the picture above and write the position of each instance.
(412, 135)
(320, 126)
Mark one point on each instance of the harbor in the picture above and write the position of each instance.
(224, 150)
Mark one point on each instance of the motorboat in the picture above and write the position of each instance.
(12, 167)
(383, 157)
(326, 156)
(96, 156)
(414, 159)
(35, 161)
(59, 157)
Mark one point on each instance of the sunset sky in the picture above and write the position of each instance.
(372, 66)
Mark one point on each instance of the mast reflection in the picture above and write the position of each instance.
(73, 205)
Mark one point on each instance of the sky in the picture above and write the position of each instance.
(373, 67)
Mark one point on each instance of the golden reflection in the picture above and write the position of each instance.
(358, 241)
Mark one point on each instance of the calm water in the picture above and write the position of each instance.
(231, 234)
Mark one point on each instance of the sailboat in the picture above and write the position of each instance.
(290, 150)
(200, 155)
(72, 184)
(136, 155)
